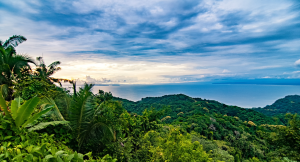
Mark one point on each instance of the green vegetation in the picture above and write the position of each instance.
(235, 130)
(12, 65)
(182, 106)
(41, 121)
(288, 104)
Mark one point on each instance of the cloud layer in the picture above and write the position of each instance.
(159, 41)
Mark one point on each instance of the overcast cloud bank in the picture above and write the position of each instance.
(154, 41)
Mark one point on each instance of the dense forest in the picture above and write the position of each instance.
(40, 120)
(288, 104)
(188, 106)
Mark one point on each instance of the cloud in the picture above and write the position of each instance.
(266, 67)
(225, 71)
(297, 63)
(266, 77)
(147, 41)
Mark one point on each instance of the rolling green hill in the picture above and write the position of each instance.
(237, 126)
(288, 104)
(188, 106)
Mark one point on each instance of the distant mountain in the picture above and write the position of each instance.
(264, 81)
(184, 106)
(288, 104)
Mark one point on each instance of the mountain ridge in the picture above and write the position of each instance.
(180, 103)
(288, 104)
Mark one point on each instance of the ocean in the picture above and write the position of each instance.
(242, 95)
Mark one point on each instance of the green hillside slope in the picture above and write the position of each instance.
(288, 104)
(188, 106)
(237, 127)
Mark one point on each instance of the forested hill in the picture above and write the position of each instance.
(181, 105)
(288, 104)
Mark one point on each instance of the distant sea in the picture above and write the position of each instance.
(243, 95)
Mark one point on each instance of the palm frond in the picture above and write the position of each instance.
(23, 59)
(81, 112)
(54, 64)
(83, 117)
(52, 71)
(46, 124)
(40, 60)
(19, 62)
(95, 132)
(68, 105)
(14, 41)
(45, 72)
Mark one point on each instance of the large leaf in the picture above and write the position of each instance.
(14, 109)
(15, 105)
(36, 116)
(45, 124)
(3, 105)
(49, 101)
(26, 110)
(14, 41)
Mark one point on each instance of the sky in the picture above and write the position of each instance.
(159, 41)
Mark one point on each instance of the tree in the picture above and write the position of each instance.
(39, 82)
(45, 72)
(286, 138)
(83, 112)
(12, 65)
(31, 86)
(175, 146)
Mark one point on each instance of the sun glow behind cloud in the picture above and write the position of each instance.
(145, 42)
(133, 72)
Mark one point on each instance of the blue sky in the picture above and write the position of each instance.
(166, 41)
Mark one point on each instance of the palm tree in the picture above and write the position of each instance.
(83, 113)
(12, 65)
(83, 116)
(45, 72)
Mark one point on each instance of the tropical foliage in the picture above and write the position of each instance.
(27, 146)
(12, 65)
(22, 114)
